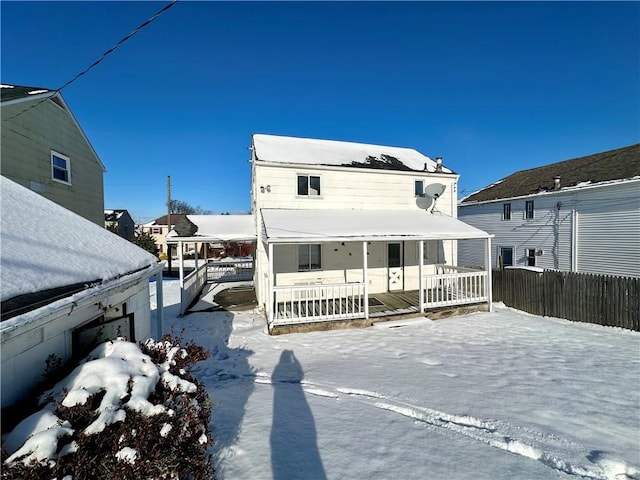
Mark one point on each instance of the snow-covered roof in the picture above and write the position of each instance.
(218, 228)
(46, 246)
(284, 226)
(310, 151)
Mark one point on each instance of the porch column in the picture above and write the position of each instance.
(195, 249)
(270, 300)
(181, 260)
(420, 275)
(159, 305)
(365, 280)
(487, 264)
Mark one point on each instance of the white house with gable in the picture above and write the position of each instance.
(347, 231)
(577, 215)
(66, 285)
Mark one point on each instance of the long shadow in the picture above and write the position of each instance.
(294, 448)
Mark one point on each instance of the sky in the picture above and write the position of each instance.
(492, 87)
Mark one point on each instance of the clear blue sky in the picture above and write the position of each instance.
(491, 87)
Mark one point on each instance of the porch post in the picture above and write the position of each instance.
(159, 305)
(365, 280)
(195, 250)
(181, 260)
(420, 275)
(487, 263)
(270, 299)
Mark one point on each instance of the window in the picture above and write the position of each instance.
(528, 209)
(531, 257)
(156, 230)
(308, 185)
(506, 211)
(506, 256)
(60, 168)
(309, 257)
(418, 188)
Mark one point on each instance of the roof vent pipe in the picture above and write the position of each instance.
(438, 164)
(556, 183)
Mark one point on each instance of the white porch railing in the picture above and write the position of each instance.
(317, 303)
(455, 286)
(192, 286)
(231, 270)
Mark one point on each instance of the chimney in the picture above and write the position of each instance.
(556, 182)
(438, 164)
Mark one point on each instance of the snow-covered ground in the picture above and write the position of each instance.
(500, 395)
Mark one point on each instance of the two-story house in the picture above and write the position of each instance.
(345, 231)
(121, 222)
(578, 215)
(44, 149)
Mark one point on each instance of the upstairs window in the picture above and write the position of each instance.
(528, 209)
(308, 186)
(506, 211)
(418, 188)
(309, 257)
(60, 168)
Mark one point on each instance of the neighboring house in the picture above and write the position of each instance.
(159, 229)
(67, 284)
(579, 215)
(44, 149)
(337, 223)
(120, 220)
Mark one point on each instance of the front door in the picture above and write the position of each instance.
(394, 265)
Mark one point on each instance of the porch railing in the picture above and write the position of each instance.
(455, 286)
(316, 303)
(231, 270)
(192, 286)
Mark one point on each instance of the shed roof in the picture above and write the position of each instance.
(217, 228)
(303, 226)
(49, 250)
(619, 164)
(15, 92)
(311, 151)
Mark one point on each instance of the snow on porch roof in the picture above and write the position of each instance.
(218, 228)
(292, 226)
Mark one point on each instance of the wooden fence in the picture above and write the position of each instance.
(582, 297)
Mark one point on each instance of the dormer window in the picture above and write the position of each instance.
(60, 168)
(308, 185)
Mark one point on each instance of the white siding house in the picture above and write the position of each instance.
(346, 231)
(580, 215)
(67, 283)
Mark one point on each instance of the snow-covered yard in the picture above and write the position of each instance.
(499, 395)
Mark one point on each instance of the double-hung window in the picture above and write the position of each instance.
(308, 185)
(528, 209)
(309, 257)
(60, 168)
(506, 211)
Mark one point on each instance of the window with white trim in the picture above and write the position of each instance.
(531, 257)
(418, 188)
(308, 185)
(60, 168)
(506, 256)
(309, 257)
(528, 209)
(506, 211)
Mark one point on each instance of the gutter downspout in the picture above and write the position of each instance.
(574, 237)
(159, 304)
(487, 263)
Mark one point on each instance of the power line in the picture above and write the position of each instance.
(102, 57)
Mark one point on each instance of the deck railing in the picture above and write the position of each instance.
(316, 303)
(192, 286)
(229, 270)
(455, 286)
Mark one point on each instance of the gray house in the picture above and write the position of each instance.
(120, 220)
(579, 215)
(44, 149)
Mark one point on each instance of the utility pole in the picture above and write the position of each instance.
(168, 222)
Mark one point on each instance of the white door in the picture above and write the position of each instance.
(394, 266)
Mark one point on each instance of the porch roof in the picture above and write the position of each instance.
(218, 228)
(304, 226)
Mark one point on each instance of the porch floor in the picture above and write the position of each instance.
(393, 303)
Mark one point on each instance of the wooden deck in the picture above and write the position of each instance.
(393, 303)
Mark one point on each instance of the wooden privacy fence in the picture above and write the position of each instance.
(581, 297)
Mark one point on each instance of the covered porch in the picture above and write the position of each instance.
(396, 272)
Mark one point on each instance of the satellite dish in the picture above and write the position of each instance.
(435, 190)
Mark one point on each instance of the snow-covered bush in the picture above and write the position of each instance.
(127, 411)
